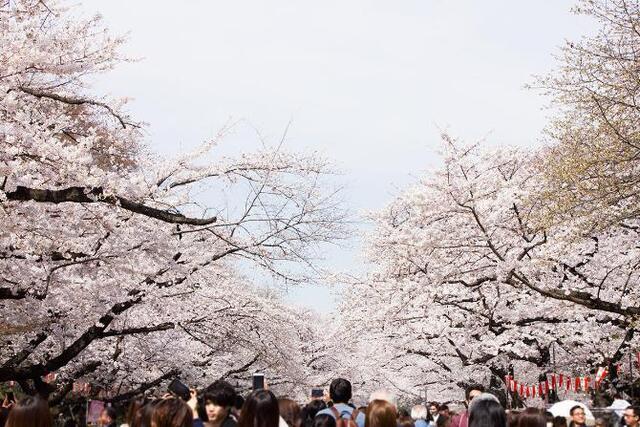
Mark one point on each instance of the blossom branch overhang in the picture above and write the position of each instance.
(97, 195)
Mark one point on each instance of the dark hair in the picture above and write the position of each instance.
(380, 413)
(111, 412)
(142, 417)
(324, 420)
(635, 409)
(220, 393)
(487, 413)
(171, 412)
(132, 410)
(340, 390)
(290, 412)
(444, 407)
(573, 408)
(238, 402)
(559, 422)
(406, 422)
(470, 388)
(310, 410)
(402, 412)
(30, 412)
(443, 421)
(532, 417)
(260, 410)
(513, 418)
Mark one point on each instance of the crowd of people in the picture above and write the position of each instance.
(221, 406)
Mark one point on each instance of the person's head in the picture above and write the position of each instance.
(443, 420)
(290, 412)
(485, 411)
(134, 406)
(406, 422)
(172, 412)
(578, 415)
(237, 406)
(142, 417)
(218, 400)
(30, 412)
(311, 409)
(512, 418)
(340, 391)
(260, 409)
(600, 422)
(532, 417)
(472, 391)
(632, 415)
(559, 421)
(419, 412)
(324, 420)
(380, 413)
(107, 416)
(443, 410)
(434, 408)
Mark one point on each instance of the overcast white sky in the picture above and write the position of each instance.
(369, 83)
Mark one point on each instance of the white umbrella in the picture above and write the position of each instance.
(561, 409)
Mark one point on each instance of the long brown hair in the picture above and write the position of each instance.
(290, 412)
(171, 413)
(381, 413)
(30, 412)
(260, 410)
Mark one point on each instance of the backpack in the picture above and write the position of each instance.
(345, 422)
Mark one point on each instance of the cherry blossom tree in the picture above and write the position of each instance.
(467, 286)
(591, 168)
(114, 260)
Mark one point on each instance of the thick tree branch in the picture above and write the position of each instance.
(96, 195)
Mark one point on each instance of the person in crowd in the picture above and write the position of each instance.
(559, 421)
(601, 422)
(107, 417)
(260, 409)
(444, 411)
(485, 411)
(340, 394)
(30, 412)
(403, 413)
(462, 419)
(172, 412)
(631, 416)
(532, 417)
(290, 412)
(310, 410)
(549, 416)
(324, 420)
(406, 421)
(419, 414)
(142, 417)
(237, 407)
(578, 416)
(381, 413)
(512, 418)
(434, 413)
(219, 399)
(134, 406)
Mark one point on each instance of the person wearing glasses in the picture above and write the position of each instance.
(578, 417)
(632, 416)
